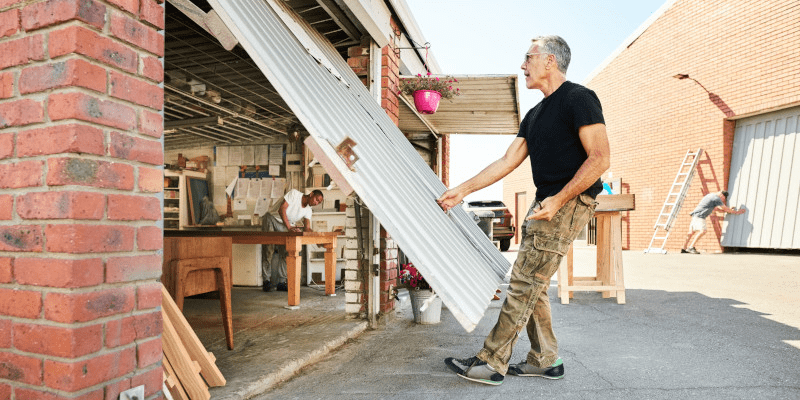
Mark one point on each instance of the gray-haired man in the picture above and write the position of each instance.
(565, 137)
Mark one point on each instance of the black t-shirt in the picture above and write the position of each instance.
(551, 132)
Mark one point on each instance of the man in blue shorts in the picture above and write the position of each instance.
(697, 227)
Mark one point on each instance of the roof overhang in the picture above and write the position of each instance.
(488, 105)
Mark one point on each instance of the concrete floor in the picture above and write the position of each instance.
(709, 326)
(739, 316)
(271, 342)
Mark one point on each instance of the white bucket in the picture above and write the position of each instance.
(432, 313)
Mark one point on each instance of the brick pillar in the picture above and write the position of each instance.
(355, 274)
(81, 155)
(390, 78)
(389, 271)
(728, 130)
(358, 60)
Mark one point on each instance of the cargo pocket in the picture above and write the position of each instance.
(550, 251)
(584, 210)
(553, 245)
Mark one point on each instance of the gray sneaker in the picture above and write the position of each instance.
(555, 371)
(475, 370)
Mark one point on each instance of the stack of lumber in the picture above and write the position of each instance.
(189, 370)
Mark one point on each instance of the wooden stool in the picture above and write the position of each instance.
(204, 258)
(184, 286)
(609, 263)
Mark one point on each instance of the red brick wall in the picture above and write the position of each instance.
(742, 56)
(80, 177)
(358, 60)
(390, 78)
(389, 271)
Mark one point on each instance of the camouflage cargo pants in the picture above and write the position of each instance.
(527, 304)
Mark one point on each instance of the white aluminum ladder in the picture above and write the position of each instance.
(677, 192)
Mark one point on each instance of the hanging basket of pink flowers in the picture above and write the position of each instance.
(427, 90)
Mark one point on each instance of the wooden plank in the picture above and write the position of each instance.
(586, 282)
(185, 368)
(192, 343)
(616, 202)
(172, 382)
(210, 22)
(595, 288)
(215, 25)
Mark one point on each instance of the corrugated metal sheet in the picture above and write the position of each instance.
(450, 250)
(765, 177)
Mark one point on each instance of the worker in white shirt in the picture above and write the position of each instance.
(294, 208)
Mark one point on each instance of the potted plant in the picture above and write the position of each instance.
(425, 304)
(428, 90)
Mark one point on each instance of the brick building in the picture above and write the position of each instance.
(721, 76)
(84, 99)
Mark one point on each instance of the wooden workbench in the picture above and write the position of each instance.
(609, 277)
(293, 241)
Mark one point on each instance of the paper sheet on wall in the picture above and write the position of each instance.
(275, 154)
(274, 170)
(277, 188)
(266, 188)
(262, 205)
(222, 156)
(255, 189)
(262, 154)
(231, 187)
(239, 204)
(235, 155)
(248, 155)
(242, 187)
(219, 184)
(231, 173)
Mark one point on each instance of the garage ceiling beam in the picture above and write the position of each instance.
(192, 122)
(210, 21)
(340, 18)
(212, 105)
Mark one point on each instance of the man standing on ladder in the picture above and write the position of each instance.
(698, 226)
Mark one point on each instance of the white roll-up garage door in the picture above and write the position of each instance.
(765, 178)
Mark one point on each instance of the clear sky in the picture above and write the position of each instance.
(491, 37)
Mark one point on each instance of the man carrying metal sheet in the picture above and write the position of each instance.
(565, 137)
